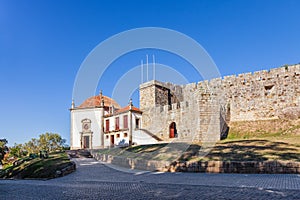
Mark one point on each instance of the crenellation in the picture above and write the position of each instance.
(248, 75)
(166, 108)
(230, 77)
(182, 105)
(175, 106)
(241, 76)
(275, 71)
(191, 86)
(158, 109)
(260, 95)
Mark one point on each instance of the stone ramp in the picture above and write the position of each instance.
(80, 153)
(152, 135)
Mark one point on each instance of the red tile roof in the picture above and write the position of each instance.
(127, 108)
(95, 101)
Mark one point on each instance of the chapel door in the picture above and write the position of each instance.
(172, 130)
(86, 142)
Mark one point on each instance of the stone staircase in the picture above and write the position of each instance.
(151, 134)
(80, 153)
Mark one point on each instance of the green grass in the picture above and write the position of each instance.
(235, 135)
(37, 168)
(263, 141)
(266, 149)
(239, 146)
(277, 128)
(159, 152)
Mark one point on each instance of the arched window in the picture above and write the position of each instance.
(172, 130)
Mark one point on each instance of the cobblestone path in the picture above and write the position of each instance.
(94, 180)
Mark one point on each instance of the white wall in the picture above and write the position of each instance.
(140, 137)
(94, 114)
(117, 140)
(112, 121)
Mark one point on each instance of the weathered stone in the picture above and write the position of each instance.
(291, 113)
(211, 105)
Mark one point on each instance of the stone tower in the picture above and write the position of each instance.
(155, 93)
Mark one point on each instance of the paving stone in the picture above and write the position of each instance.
(94, 180)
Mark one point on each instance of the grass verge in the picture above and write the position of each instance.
(37, 168)
(263, 147)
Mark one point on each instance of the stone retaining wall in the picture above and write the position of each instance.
(132, 163)
(248, 167)
(67, 170)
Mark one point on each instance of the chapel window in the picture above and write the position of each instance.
(117, 123)
(125, 121)
(107, 125)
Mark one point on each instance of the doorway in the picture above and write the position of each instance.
(112, 140)
(172, 130)
(86, 142)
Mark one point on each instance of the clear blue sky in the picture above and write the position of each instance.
(43, 43)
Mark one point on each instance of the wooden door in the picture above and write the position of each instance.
(172, 134)
(86, 142)
(112, 140)
(172, 130)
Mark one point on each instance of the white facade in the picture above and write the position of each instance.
(119, 132)
(101, 126)
(78, 117)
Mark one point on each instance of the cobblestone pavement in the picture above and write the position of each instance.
(94, 180)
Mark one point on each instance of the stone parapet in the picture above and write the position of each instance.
(247, 167)
(131, 163)
(67, 170)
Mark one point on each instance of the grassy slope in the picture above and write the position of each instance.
(38, 168)
(247, 141)
(260, 141)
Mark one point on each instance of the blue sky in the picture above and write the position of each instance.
(43, 43)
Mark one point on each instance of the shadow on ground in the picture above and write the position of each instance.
(246, 150)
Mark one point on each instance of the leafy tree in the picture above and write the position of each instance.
(3, 149)
(51, 142)
(32, 146)
(17, 150)
(48, 141)
(43, 142)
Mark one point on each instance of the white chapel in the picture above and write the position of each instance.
(100, 122)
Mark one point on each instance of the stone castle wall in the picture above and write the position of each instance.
(160, 109)
(208, 106)
(254, 96)
(195, 113)
(262, 95)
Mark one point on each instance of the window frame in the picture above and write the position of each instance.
(125, 121)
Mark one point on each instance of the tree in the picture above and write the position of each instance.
(17, 151)
(51, 142)
(3, 149)
(48, 141)
(32, 146)
(43, 142)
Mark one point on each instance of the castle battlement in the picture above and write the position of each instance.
(251, 96)
(285, 71)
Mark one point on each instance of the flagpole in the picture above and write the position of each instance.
(142, 71)
(147, 67)
(153, 67)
